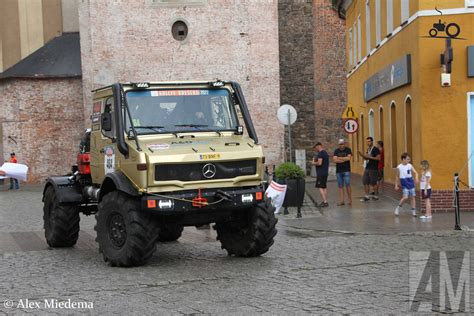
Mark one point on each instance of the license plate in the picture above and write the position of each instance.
(209, 156)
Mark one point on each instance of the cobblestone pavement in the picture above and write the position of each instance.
(306, 271)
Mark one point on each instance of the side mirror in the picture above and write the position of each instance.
(106, 121)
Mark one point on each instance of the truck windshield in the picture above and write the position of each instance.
(180, 110)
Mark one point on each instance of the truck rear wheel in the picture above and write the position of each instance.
(170, 233)
(126, 236)
(61, 221)
(250, 233)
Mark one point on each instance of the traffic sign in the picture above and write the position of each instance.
(351, 126)
(287, 114)
(349, 113)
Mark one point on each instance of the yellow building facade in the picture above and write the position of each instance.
(395, 84)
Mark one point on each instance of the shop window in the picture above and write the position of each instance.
(393, 135)
(408, 128)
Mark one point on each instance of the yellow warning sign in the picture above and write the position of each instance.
(349, 113)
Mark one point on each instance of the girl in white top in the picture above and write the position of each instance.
(425, 187)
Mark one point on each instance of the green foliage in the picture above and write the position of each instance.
(289, 170)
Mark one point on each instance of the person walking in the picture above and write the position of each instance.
(342, 157)
(425, 187)
(404, 175)
(321, 161)
(369, 179)
(14, 185)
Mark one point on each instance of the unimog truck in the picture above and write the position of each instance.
(160, 156)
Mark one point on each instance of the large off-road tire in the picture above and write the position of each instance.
(250, 232)
(61, 221)
(170, 232)
(126, 236)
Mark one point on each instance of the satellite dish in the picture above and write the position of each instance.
(286, 114)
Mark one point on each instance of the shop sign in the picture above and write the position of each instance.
(391, 77)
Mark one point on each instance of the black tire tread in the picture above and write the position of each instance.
(259, 238)
(63, 220)
(141, 231)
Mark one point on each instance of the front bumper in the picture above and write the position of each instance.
(216, 200)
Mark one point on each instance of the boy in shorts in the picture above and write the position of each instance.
(405, 173)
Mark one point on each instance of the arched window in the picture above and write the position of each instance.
(408, 128)
(381, 126)
(393, 135)
(371, 124)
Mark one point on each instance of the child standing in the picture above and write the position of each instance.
(425, 187)
(405, 173)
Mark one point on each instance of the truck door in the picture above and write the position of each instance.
(103, 146)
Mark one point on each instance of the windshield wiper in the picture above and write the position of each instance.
(191, 125)
(156, 128)
(152, 127)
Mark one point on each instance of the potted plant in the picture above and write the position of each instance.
(294, 177)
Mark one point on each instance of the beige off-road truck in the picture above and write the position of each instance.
(160, 156)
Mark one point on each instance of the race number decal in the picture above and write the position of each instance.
(109, 160)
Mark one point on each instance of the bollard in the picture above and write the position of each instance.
(457, 225)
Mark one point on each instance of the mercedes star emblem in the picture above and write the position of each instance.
(209, 171)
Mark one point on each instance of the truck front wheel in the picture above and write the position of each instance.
(61, 221)
(126, 236)
(250, 232)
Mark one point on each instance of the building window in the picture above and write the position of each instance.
(470, 3)
(408, 129)
(354, 45)
(350, 49)
(179, 30)
(405, 10)
(393, 135)
(371, 124)
(367, 26)
(389, 16)
(377, 22)
(359, 40)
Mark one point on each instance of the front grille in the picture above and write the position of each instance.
(196, 171)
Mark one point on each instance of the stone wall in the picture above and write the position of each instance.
(312, 76)
(297, 70)
(231, 40)
(42, 122)
(329, 74)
